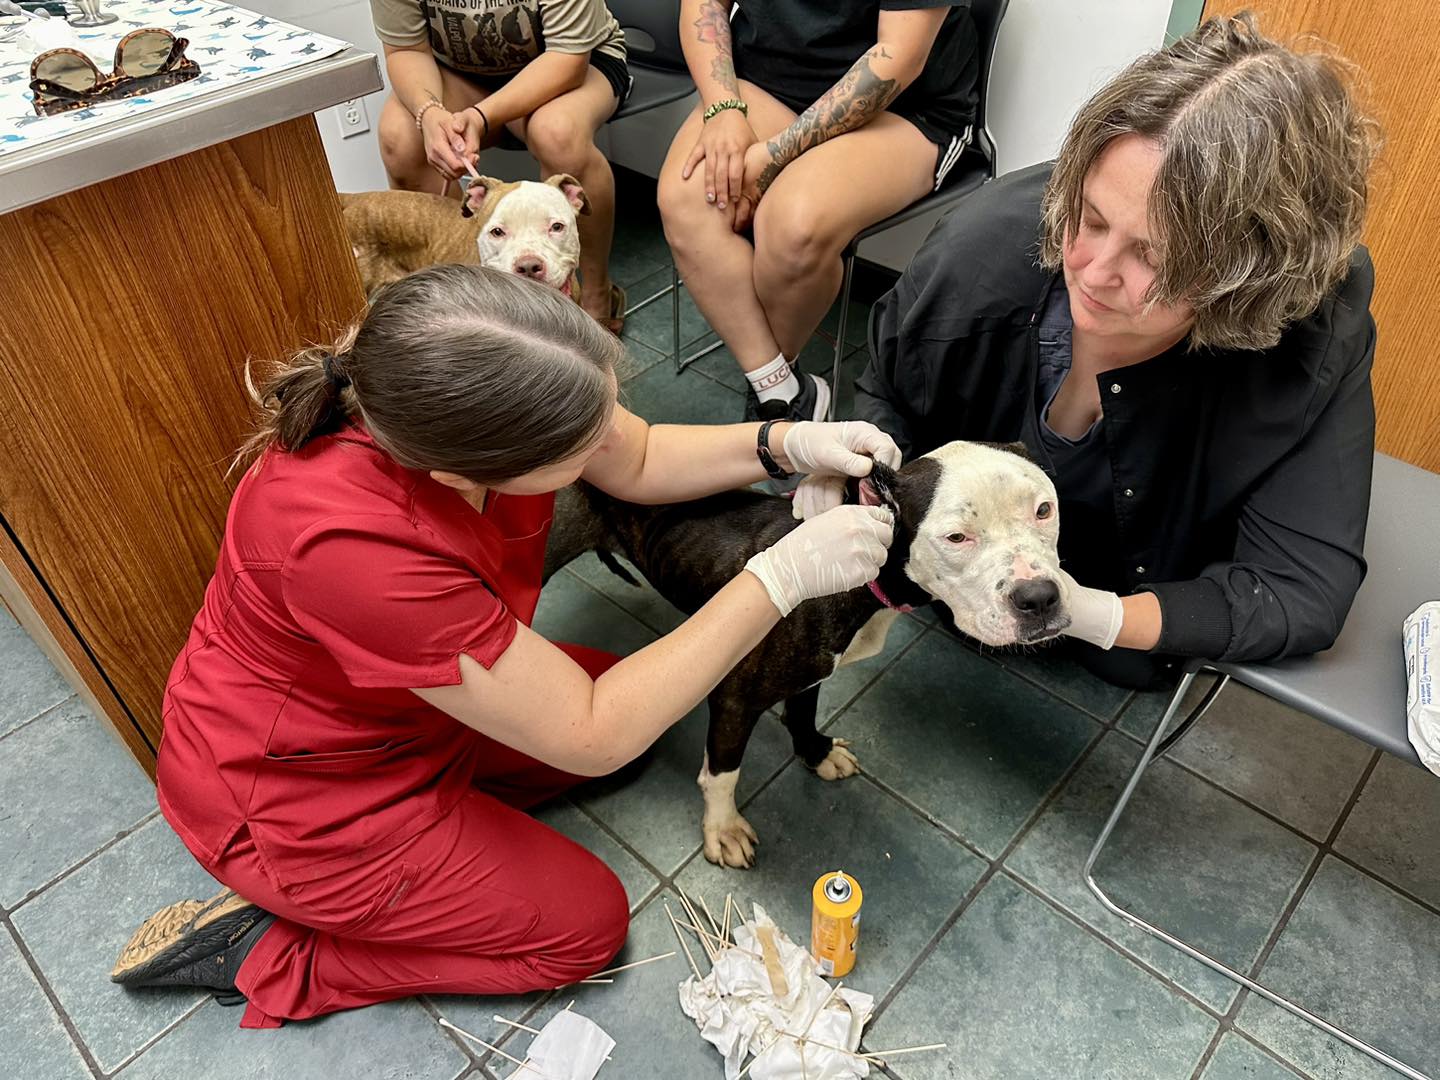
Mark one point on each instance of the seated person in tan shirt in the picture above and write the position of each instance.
(547, 72)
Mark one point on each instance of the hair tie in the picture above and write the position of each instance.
(334, 377)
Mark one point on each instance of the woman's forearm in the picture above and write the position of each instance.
(1141, 628)
(705, 40)
(639, 698)
(541, 80)
(414, 76)
(678, 462)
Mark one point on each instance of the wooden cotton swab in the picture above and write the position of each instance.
(516, 1024)
(713, 924)
(637, 963)
(906, 1050)
(695, 918)
(681, 938)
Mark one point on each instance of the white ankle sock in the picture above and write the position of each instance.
(774, 381)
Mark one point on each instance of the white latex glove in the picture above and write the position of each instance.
(839, 449)
(816, 494)
(1095, 615)
(826, 555)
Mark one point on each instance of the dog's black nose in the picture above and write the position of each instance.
(1035, 597)
(530, 267)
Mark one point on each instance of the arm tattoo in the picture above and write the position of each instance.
(713, 28)
(851, 103)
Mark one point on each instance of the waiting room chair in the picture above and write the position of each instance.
(1357, 685)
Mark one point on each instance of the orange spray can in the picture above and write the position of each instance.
(835, 922)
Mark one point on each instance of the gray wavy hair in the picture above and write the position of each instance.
(1262, 187)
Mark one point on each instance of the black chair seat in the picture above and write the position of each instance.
(653, 88)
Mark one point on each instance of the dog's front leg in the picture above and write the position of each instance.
(729, 838)
(828, 758)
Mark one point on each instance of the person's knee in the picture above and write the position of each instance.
(402, 151)
(685, 215)
(593, 927)
(559, 140)
(793, 239)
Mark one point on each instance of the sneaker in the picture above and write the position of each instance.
(193, 943)
(811, 403)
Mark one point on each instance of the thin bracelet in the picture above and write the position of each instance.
(419, 116)
(483, 118)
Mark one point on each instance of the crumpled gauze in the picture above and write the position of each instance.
(569, 1047)
(739, 1013)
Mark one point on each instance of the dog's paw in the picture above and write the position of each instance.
(839, 763)
(731, 844)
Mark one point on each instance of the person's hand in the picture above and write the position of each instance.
(816, 494)
(845, 448)
(723, 140)
(1096, 616)
(468, 127)
(828, 554)
(443, 146)
(760, 171)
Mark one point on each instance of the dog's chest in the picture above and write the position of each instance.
(869, 640)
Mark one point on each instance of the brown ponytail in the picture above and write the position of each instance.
(456, 368)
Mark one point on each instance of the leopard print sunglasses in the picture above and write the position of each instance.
(145, 61)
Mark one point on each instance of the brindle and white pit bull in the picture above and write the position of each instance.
(976, 527)
(522, 227)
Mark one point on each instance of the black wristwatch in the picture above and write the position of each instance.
(762, 451)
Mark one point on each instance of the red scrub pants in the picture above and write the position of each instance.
(486, 901)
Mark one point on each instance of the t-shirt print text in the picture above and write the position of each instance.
(488, 37)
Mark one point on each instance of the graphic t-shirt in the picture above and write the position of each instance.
(498, 37)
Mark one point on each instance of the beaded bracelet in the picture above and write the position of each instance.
(721, 106)
(420, 116)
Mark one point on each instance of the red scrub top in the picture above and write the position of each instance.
(343, 580)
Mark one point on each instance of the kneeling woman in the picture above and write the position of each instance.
(362, 712)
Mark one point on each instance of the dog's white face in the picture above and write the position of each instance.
(530, 227)
(986, 546)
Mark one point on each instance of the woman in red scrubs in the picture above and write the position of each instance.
(362, 714)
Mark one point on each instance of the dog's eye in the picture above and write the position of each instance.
(957, 538)
(1044, 510)
(498, 232)
(557, 226)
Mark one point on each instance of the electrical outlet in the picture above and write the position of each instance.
(353, 118)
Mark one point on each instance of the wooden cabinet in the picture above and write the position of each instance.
(129, 310)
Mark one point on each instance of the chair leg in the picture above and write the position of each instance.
(849, 258)
(675, 318)
(1195, 714)
(1230, 973)
(674, 290)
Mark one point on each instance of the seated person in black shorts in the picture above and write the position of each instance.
(815, 121)
(1174, 318)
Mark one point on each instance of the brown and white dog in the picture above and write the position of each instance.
(521, 227)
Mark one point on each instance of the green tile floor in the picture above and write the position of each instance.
(1276, 842)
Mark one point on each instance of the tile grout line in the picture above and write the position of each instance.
(154, 1040)
(41, 715)
(1228, 1021)
(993, 867)
(50, 996)
(38, 891)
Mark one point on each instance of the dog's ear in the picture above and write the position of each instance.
(881, 487)
(1019, 449)
(571, 189)
(475, 195)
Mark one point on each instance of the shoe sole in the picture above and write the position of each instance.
(180, 933)
(822, 398)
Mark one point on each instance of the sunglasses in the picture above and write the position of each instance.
(145, 61)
